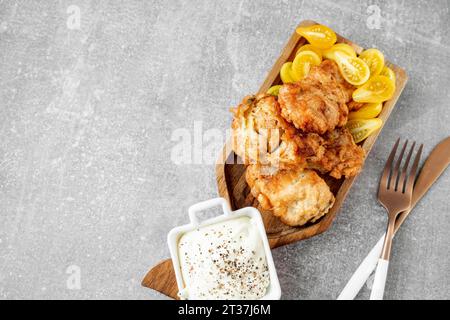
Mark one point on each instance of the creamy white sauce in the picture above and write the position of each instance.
(225, 260)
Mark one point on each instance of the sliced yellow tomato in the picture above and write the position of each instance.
(318, 35)
(369, 111)
(388, 73)
(354, 70)
(274, 90)
(362, 128)
(376, 90)
(303, 63)
(286, 73)
(343, 47)
(374, 59)
(310, 47)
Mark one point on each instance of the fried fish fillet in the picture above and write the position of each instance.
(318, 102)
(261, 135)
(295, 195)
(342, 156)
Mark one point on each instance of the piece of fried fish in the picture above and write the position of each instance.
(317, 103)
(295, 195)
(342, 156)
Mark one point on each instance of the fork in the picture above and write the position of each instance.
(395, 194)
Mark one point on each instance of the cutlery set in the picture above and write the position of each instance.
(399, 192)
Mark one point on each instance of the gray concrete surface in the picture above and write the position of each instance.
(87, 113)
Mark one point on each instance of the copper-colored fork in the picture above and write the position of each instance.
(395, 194)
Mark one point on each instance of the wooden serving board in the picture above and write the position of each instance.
(233, 187)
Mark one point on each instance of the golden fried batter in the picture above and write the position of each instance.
(295, 195)
(342, 156)
(331, 67)
(318, 102)
(261, 135)
(311, 146)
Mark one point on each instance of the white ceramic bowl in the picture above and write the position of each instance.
(274, 290)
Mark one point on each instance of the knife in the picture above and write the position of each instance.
(434, 166)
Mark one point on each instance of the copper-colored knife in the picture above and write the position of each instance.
(434, 166)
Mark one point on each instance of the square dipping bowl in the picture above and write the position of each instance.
(273, 291)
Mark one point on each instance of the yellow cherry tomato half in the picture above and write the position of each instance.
(354, 70)
(362, 128)
(274, 90)
(318, 35)
(303, 63)
(376, 90)
(310, 47)
(286, 73)
(374, 59)
(343, 47)
(388, 73)
(369, 111)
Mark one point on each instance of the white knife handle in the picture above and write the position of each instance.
(380, 280)
(363, 272)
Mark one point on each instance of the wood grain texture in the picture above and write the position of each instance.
(162, 279)
(232, 186)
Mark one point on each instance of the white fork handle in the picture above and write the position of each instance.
(380, 280)
(363, 272)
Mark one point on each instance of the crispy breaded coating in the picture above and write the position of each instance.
(261, 135)
(318, 102)
(331, 67)
(310, 146)
(342, 156)
(295, 195)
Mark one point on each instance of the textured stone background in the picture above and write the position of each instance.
(87, 117)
